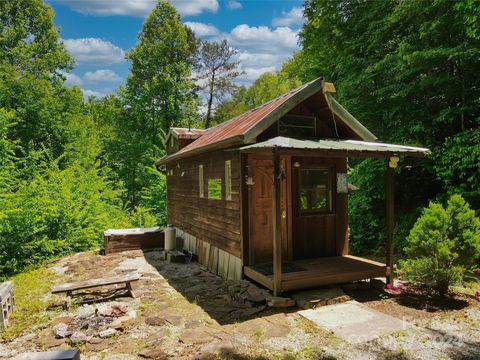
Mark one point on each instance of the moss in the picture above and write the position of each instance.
(31, 302)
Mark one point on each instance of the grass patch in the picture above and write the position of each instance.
(30, 288)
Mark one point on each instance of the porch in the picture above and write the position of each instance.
(308, 273)
(298, 218)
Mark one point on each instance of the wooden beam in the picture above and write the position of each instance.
(277, 225)
(391, 165)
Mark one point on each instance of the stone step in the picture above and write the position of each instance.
(311, 299)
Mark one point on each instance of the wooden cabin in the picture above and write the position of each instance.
(265, 195)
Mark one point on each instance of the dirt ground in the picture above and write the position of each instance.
(182, 311)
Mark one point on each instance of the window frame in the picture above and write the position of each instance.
(228, 180)
(330, 197)
(201, 182)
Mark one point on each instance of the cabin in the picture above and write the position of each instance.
(264, 195)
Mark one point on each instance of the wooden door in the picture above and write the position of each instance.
(314, 231)
(260, 172)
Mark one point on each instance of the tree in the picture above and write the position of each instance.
(159, 89)
(443, 245)
(159, 94)
(217, 70)
(29, 40)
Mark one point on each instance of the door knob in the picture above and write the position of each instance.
(284, 214)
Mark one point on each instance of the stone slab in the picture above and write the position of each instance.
(310, 299)
(353, 321)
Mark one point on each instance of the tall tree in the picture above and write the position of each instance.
(217, 71)
(29, 40)
(159, 88)
(159, 94)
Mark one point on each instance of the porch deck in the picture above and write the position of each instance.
(319, 272)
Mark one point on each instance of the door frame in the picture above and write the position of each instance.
(286, 164)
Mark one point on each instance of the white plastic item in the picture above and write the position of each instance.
(170, 237)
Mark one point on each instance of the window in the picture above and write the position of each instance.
(315, 190)
(228, 180)
(297, 126)
(201, 186)
(215, 189)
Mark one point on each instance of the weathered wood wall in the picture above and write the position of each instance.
(118, 243)
(210, 220)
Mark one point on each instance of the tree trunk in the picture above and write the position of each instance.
(210, 100)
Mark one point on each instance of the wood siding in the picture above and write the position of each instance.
(217, 222)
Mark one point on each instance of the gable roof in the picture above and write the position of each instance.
(185, 133)
(244, 129)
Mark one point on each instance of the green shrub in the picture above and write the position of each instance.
(443, 245)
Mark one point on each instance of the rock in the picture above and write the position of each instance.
(174, 320)
(195, 336)
(64, 320)
(46, 340)
(220, 348)
(94, 340)
(155, 321)
(319, 297)
(255, 295)
(282, 302)
(78, 337)
(107, 333)
(61, 331)
(154, 353)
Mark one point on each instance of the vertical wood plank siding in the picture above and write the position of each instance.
(214, 221)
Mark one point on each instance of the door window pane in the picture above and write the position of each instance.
(314, 190)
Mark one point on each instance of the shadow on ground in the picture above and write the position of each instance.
(226, 301)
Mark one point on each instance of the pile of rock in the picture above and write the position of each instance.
(93, 326)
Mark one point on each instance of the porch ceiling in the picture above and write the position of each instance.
(353, 147)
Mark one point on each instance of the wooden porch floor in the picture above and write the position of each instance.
(322, 271)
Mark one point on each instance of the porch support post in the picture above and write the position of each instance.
(277, 244)
(391, 165)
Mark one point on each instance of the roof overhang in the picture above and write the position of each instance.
(354, 148)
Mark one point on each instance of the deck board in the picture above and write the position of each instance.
(323, 271)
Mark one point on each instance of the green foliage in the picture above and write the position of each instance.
(443, 245)
(457, 164)
(29, 40)
(56, 212)
(267, 87)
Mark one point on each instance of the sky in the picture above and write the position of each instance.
(98, 33)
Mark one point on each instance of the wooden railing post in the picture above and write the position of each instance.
(277, 245)
(391, 165)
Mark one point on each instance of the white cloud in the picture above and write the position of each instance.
(138, 8)
(71, 79)
(195, 7)
(87, 93)
(201, 29)
(252, 73)
(234, 5)
(292, 17)
(102, 76)
(263, 38)
(94, 51)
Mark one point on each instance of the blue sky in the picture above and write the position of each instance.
(99, 32)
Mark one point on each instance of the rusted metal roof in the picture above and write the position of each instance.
(349, 146)
(244, 128)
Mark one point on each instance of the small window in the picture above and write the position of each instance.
(201, 186)
(297, 126)
(315, 190)
(215, 189)
(228, 180)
